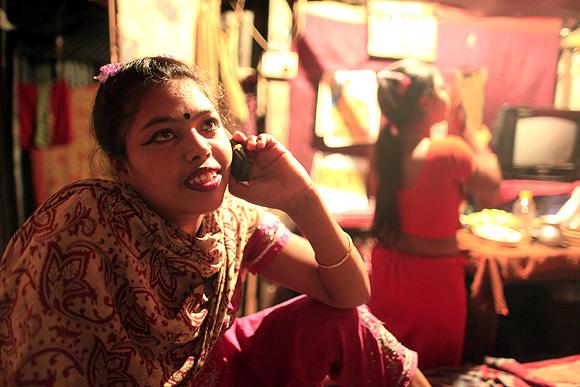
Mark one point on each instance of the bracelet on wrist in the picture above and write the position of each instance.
(342, 260)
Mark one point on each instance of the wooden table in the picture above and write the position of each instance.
(492, 267)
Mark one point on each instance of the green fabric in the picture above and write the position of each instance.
(43, 116)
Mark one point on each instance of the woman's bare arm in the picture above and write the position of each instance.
(279, 181)
(297, 266)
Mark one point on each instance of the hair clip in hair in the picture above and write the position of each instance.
(107, 71)
(403, 79)
(168, 56)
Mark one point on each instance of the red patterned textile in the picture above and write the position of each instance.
(501, 372)
(97, 289)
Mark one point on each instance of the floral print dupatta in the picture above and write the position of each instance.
(97, 288)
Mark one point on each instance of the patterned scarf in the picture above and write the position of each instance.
(100, 288)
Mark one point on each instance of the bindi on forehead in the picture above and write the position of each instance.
(186, 115)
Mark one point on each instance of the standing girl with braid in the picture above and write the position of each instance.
(136, 280)
(417, 275)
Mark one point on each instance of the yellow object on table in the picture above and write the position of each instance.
(489, 216)
(502, 235)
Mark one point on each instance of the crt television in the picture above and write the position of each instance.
(538, 144)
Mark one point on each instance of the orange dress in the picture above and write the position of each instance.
(422, 299)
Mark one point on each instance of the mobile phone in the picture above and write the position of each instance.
(241, 162)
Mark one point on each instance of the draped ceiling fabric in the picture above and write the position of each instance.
(553, 8)
(520, 54)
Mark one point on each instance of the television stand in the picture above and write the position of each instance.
(543, 174)
(568, 179)
(545, 189)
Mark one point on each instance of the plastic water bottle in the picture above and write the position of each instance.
(524, 209)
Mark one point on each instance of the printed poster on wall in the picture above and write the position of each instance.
(402, 29)
(341, 180)
(347, 111)
(156, 27)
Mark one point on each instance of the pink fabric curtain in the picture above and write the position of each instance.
(521, 55)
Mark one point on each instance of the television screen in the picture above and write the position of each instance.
(538, 144)
(544, 141)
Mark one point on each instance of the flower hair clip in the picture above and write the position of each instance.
(168, 56)
(107, 71)
(403, 79)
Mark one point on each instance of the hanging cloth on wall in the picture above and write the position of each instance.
(60, 107)
(215, 54)
(207, 40)
(43, 117)
(44, 114)
(229, 70)
(27, 96)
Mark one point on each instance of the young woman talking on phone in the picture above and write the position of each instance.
(136, 279)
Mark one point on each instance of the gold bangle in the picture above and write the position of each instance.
(343, 259)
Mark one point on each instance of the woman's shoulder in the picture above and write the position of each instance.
(449, 146)
(99, 194)
(90, 186)
(88, 189)
(74, 205)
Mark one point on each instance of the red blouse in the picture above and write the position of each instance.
(430, 207)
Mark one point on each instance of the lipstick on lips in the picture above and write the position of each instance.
(204, 179)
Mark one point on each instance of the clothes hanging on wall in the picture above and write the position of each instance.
(53, 167)
(50, 126)
(44, 113)
(73, 72)
(44, 107)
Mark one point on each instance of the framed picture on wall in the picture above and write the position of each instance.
(342, 181)
(347, 111)
(402, 29)
(157, 27)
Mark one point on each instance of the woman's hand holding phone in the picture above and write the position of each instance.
(277, 178)
(241, 162)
